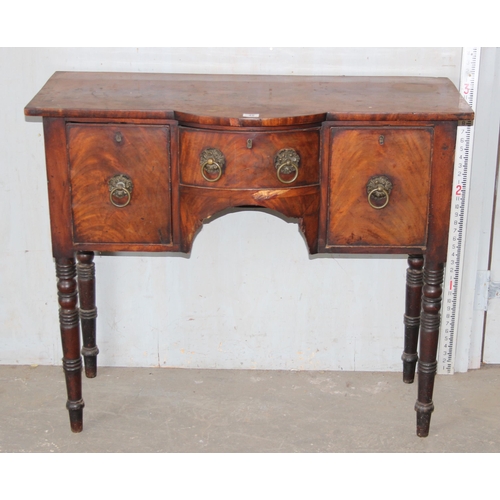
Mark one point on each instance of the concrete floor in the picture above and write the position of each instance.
(176, 410)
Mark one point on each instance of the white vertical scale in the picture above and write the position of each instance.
(458, 217)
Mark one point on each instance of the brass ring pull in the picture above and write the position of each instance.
(212, 164)
(378, 190)
(379, 187)
(127, 193)
(120, 186)
(213, 167)
(289, 165)
(286, 162)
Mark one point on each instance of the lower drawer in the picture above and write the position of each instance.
(378, 187)
(120, 183)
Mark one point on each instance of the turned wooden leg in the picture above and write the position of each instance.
(70, 337)
(429, 333)
(414, 275)
(88, 310)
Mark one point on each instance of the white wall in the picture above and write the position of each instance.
(249, 296)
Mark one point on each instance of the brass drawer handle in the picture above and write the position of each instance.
(378, 188)
(212, 164)
(287, 162)
(120, 186)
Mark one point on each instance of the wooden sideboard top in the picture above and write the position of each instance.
(247, 100)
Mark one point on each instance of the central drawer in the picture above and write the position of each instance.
(249, 159)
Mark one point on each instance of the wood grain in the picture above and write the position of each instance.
(227, 99)
(249, 167)
(357, 155)
(198, 204)
(58, 185)
(95, 157)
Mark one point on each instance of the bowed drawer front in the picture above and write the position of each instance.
(249, 159)
(120, 183)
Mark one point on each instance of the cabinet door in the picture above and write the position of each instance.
(378, 186)
(120, 183)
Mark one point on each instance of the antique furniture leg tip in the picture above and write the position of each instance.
(423, 428)
(408, 375)
(409, 365)
(91, 368)
(76, 424)
(424, 412)
(75, 409)
(90, 361)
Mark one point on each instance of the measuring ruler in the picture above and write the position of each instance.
(460, 200)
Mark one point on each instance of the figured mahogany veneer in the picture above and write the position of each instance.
(249, 166)
(97, 153)
(404, 156)
(137, 162)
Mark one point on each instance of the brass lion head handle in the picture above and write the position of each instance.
(212, 163)
(379, 188)
(286, 163)
(120, 190)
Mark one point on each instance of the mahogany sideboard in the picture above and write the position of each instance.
(136, 162)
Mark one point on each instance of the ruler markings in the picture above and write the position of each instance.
(447, 344)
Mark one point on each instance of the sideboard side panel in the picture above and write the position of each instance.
(58, 184)
(441, 190)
